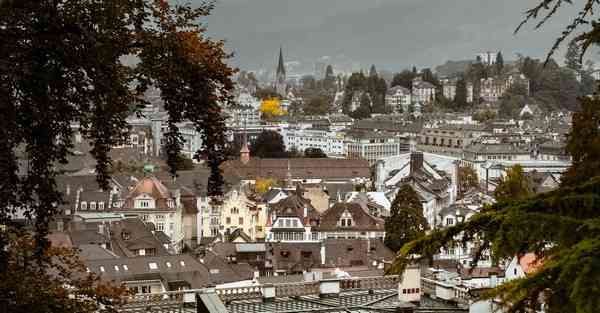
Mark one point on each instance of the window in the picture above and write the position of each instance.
(125, 267)
(228, 220)
(171, 226)
(144, 204)
(182, 263)
(100, 205)
(214, 271)
(84, 205)
(141, 252)
(160, 226)
(160, 217)
(168, 264)
(241, 221)
(116, 268)
(145, 217)
(102, 269)
(153, 265)
(92, 205)
(515, 271)
(134, 139)
(295, 223)
(449, 221)
(288, 223)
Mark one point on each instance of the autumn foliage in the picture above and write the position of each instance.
(271, 108)
(57, 283)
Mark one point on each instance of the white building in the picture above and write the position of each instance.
(422, 91)
(487, 58)
(398, 98)
(331, 143)
(372, 146)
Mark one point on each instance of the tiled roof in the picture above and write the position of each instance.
(166, 268)
(154, 188)
(362, 221)
(300, 168)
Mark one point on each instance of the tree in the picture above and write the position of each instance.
(329, 80)
(460, 100)
(61, 63)
(266, 93)
(373, 71)
(403, 79)
(268, 144)
(263, 185)
(467, 178)
(573, 57)
(484, 115)
(406, 221)
(314, 153)
(428, 76)
(317, 105)
(499, 63)
(184, 163)
(513, 185)
(59, 283)
(584, 143)
(271, 109)
(560, 227)
(308, 82)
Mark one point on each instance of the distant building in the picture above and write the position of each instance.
(280, 84)
(449, 89)
(373, 146)
(492, 88)
(422, 91)
(487, 58)
(449, 139)
(331, 143)
(398, 99)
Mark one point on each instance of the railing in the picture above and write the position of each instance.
(297, 289)
(431, 287)
(172, 300)
(239, 293)
(370, 283)
(175, 301)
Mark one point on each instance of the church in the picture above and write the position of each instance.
(280, 84)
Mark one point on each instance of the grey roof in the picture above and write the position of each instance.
(495, 149)
(95, 252)
(250, 247)
(168, 268)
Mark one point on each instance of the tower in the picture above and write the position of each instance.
(280, 78)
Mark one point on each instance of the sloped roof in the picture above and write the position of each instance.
(151, 186)
(362, 220)
(293, 206)
(300, 168)
(168, 268)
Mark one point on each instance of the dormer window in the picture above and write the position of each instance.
(100, 206)
(346, 219)
(125, 235)
(92, 205)
(83, 205)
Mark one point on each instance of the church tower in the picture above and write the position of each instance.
(280, 78)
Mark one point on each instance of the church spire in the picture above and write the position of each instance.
(280, 64)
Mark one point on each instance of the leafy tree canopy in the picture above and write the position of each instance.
(269, 144)
(406, 221)
(61, 63)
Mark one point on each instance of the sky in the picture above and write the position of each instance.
(392, 34)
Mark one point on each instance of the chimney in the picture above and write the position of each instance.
(245, 154)
(416, 162)
(177, 198)
(322, 253)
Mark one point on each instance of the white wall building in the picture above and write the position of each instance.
(331, 143)
(398, 98)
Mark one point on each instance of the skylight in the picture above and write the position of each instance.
(153, 265)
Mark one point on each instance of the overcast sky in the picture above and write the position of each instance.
(392, 34)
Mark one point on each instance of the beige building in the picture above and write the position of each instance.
(238, 211)
(449, 139)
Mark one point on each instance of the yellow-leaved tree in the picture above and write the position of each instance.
(264, 184)
(271, 108)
